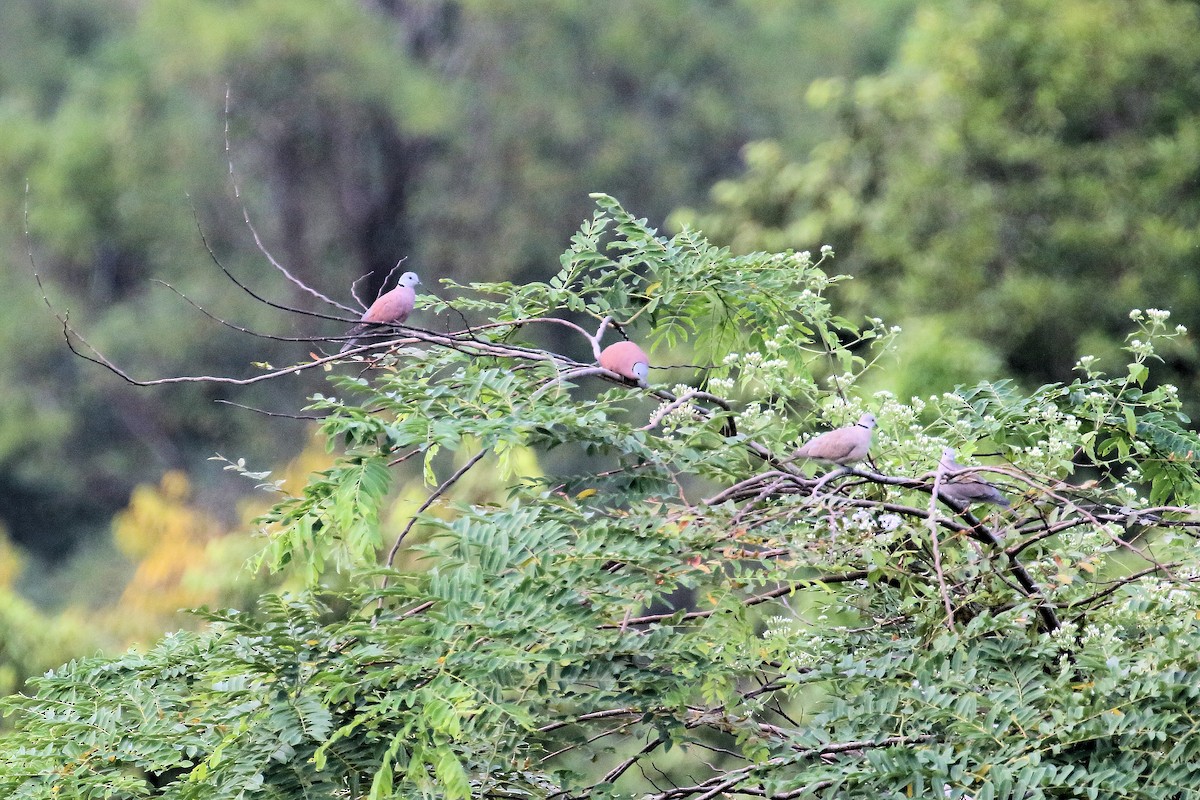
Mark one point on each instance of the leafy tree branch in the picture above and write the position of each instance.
(691, 614)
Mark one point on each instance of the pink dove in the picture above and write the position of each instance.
(627, 360)
(390, 308)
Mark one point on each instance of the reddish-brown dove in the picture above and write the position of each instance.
(966, 489)
(627, 360)
(389, 308)
(841, 445)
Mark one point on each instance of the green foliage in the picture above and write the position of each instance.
(35, 642)
(463, 136)
(124, 157)
(1016, 180)
(690, 610)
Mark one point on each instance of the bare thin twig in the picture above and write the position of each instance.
(266, 413)
(623, 767)
(245, 288)
(593, 715)
(237, 192)
(236, 327)
(438, 492)
(726, 781)
(780, 591)
(937, 552)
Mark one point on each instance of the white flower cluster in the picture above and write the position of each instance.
(896, 413)
(865, 520)
(1140, 348)
(1155, 320)
(862, 519)
(843, 381)
(802, 260)
(1043, 458)
(1169, 594)
(679, 415)
(764, 374)
(1086, 540)
(720, 386)
(802, 646)
(1061, 438)
(1065, 634)
(1106, 635)
(755, 417)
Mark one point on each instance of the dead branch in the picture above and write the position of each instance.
(237, 193)
(239, 328)
(245, 288)
(937, 551)
(266, 413)
(438, 492)
(780, 591)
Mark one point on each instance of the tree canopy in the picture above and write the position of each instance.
(463, 136)
(516, 574)
(1022, 175)
(691, 614)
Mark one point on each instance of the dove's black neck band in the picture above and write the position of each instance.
(860, 425)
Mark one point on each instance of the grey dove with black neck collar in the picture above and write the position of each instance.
(966, 489)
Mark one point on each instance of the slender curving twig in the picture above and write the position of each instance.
(438, 492)
(237, 193)
(936, 546)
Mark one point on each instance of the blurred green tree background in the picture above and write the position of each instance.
(1020, 176)
(1005, 179)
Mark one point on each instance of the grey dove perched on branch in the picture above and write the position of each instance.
(389, 308)
(966, 489)
(627, 360)
(840, 445)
